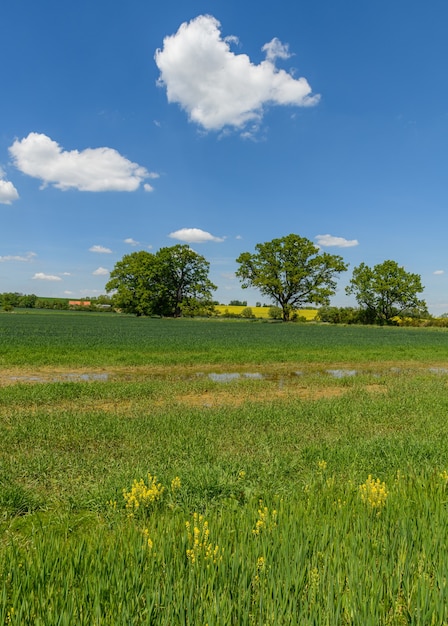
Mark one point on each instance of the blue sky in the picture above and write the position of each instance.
(138, 125)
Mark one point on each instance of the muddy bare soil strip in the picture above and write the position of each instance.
(223, 373)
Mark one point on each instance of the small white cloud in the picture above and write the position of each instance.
(131, 241)
(275, 49)
(68, 293)
(42, 276)
(228, 275)
(8, 193)
(24, 259)
(194, 235)
(101, 271)
(439, 272)
(92, 169)
(328, 241)
(65, 273)
(100, 250)
(148, 187)
(238, 237)
(218, 88)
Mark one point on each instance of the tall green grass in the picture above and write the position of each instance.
(270, 471)
(319, 556)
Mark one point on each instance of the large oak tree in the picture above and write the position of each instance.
(385, 291)
(161, 283)
(291, 271)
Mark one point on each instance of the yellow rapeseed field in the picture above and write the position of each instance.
(261, 311)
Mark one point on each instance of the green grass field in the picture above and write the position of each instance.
(262, 438)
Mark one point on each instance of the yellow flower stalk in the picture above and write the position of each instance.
(200, 547)
(142, 495)
(374, 493)
(266, 520)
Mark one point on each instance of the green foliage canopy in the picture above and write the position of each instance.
(291, 272)
(386, 291)
(161, 283)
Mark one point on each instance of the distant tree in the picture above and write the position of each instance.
(160, 283)
(291, 271)
(27, 302)
(195, 308)
(103, 299)
(51, 303)
(386, 291)
(339, 315)
(10, 299)
(238, 303)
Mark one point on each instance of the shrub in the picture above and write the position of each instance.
(275, 313)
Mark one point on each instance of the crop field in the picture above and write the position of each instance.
(221, 472)
(261, 311)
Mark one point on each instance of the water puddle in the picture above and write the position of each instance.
(223, 378)
(438, 370)
(88, 377)
(228, 377)
(341, 373)
(59, 378)
(27, 379)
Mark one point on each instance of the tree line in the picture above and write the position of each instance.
(291, 272)
(11, 300)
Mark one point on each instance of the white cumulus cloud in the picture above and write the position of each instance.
(100, 250)
(42, 276)
(328, 241)
(92, 169)
(275, 49)
(8, 193)
(131, 241)
(194, 235)
(439, 272)
(100, 271)
(29, 256)
(218, 88)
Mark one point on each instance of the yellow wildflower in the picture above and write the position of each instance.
(200, 547)
(374, 493)
(142, 495)
(265, 521)
(322, 465)
(148, 539)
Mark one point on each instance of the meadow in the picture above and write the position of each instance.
(221, 472)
